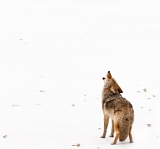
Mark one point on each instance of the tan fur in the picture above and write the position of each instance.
(117, 108)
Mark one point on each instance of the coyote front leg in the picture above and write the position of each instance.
(112, 130)
(106, 119)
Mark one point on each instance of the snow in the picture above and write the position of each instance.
(53, 55)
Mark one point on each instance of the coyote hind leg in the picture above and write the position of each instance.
(130, 135)
(117, 134)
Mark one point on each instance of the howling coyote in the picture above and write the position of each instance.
(117, 108)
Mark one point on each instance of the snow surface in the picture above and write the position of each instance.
(53, 54)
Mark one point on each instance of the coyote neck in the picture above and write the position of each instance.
(108, 95)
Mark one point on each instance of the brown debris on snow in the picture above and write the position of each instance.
(78, 145)
(145, 90)
(5, 136)
(149, 125)
(41, 91)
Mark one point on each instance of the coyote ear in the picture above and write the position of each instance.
(109, 76)
(119, 89)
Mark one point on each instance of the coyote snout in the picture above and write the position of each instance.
(117, 108)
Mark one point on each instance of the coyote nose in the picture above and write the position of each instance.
(108, 71)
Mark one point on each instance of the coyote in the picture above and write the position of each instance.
(117, 108)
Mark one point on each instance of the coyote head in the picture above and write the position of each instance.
(111, 84)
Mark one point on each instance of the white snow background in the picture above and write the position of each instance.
(53, 55)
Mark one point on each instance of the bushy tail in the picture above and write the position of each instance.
(125, 125)
(124, 130)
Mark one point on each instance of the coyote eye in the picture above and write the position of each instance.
(103, 78)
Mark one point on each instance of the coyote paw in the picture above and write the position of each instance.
(113, 143)
(111, 135)
(102, 136)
